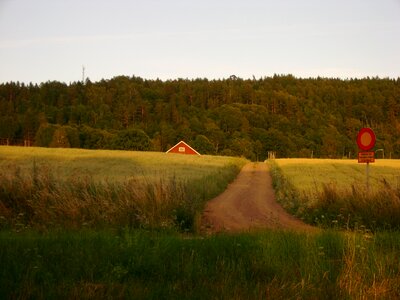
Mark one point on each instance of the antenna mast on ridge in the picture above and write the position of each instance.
(83, 74)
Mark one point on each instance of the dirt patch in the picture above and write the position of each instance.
(249, 203)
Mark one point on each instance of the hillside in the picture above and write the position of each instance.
(295, 117)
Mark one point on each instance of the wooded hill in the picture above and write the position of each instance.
(295, 117)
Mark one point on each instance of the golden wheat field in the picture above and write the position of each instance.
(75, 188)
(308, 174)
(111, 165)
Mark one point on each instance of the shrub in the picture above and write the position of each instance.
(203, 145)
(91, 138)
(60, 138)
(131, 139)
(49, 135)
(44, 135)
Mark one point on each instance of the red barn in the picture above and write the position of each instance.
(183, 148)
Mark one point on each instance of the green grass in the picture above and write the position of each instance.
(149, 265)
(333, 193)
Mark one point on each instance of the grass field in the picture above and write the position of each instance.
(309, 174)
(112, 165)
(74, 188)
(334, 192)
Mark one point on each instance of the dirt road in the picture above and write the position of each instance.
(248, 203)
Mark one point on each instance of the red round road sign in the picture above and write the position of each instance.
(366, 139)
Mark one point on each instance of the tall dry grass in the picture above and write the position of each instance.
(43, 200)
(375, 209)
(370, 267)
(331, 205)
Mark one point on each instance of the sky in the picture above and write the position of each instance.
(46, 40)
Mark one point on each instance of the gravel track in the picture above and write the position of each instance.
(249, 204)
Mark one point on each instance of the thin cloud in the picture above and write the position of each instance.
(59, 40)
(22, 43)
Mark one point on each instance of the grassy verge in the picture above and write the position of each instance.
(320, 200)
(149, 265)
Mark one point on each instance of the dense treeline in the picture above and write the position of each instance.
(295, 117)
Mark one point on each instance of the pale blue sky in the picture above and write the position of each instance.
(45, 40)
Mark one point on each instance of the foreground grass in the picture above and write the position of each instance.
(333, 193)
(46, 188)
(150, 265)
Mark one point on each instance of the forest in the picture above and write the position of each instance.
(295, 117)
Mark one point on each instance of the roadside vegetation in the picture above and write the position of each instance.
(333, 193)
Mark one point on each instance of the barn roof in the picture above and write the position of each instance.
(180, 144)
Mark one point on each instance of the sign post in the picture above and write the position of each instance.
(366, 140)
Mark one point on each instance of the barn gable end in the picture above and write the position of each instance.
(183, 148)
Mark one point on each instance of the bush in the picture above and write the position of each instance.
(60, 138)
(203, 145)
(49, 135)
(72, 136)
(44, 135)
(131, 139)
(91, 138)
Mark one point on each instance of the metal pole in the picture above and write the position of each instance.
(367, 171)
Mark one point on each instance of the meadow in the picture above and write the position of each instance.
(122, 225)
(334, 193)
